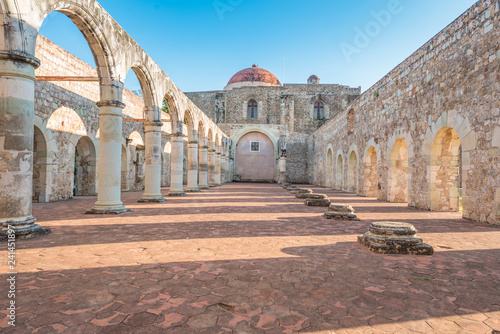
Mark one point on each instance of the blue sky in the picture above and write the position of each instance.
(200, 44)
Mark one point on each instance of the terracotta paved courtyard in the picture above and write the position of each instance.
(250, 258)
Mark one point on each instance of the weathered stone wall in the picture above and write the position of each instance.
(452, 82)
(66, 112)
(291, 105)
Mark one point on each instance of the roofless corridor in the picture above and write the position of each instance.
(251, 258)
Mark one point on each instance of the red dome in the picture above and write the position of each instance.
(255, 74)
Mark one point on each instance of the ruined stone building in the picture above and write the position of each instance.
(256, 108)
(426, 134)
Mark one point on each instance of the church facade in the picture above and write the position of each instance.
(268, 123)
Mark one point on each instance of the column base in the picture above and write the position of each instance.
(24, 228)
(193, 190)
(108, 210)
(203, 187)
(152, 199)
(212, 185)
(177, 194)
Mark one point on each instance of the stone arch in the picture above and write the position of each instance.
(97, 32)
(85, 168)
(191, 126)
(448, 143)
(255, 162)
(371, 173)
(174, 112)
(237, 136)
(352, 175)
(339, 184)
(124, 168)
(135, 139)
(398, 172)
(152, 111)
(66, 120)
(329, 167)
(445, 182)
(41, 161)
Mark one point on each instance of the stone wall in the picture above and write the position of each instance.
(67, 117)
(435, 114)
(291, 105)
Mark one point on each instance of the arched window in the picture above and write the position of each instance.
(252, 110)
(319, 110)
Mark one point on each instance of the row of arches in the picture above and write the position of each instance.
(444, 171)
(106, 40)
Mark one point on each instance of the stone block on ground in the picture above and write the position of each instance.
(394, 238)
(317, 202)
(341, 212)
(311, 196)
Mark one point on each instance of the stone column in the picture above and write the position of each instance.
(282, 169)
(211, 168)
(217, 168)
(223, 169)
(110, 153)
(152, 191)
(193, 166)
(228, 171)
(17, 108)
(177, 165)
(203, 168)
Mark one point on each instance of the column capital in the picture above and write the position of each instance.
(176, 135)
(20, 57)
(152, 127)
(211, 151)
(203, 147)
(193, 142)
(112, 103)
(218, 153)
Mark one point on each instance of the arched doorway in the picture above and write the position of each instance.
(353, 173)
(446, 181)
(329, 169)
(340, 173)
(255, 159)
(371, 173)
(85, 168)
(398, 187)
(40, 156)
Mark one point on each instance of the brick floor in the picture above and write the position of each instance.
(250, 258)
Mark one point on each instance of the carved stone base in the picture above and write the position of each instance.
(394, 238)
(204, 187)
(177, 194)
(341, 216)
(152, 200)
(311, 196)
(317, 202)
(108, 210)
(192, 190)
(23, 229)
(341, 212)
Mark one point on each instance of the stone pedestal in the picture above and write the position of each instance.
(341, 212)
(152, 191)
(110, 157)
(302, 191)
(177, 165)
(203, 168)
(314, 199)
(192, 182)
(282, 169)
(17, 95)
(394, 238)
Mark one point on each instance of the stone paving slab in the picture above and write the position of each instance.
(250, 258)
